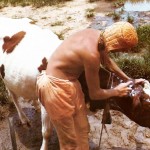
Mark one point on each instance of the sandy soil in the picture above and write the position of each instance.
(64, 20)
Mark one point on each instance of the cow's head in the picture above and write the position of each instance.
(140, 97)
(136, 105)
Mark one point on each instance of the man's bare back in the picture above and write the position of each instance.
(71, 56)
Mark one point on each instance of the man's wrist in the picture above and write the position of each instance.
(129, 79)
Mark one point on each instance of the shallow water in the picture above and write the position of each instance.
(138, 5)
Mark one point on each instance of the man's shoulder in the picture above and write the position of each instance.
(86, 31)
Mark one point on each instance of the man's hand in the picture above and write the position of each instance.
(123, 89)
(136, 81)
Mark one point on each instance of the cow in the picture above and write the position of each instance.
(25, 49)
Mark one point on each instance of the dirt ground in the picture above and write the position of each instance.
(64, 20)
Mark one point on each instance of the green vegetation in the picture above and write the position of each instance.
(89, 13)
(60, 35)
(5, 103)
(118, 3)
(130, 19)
(36, 3)
(144, 37)
(115, 15)
(57, 23)
(3, 95)
(135, 66)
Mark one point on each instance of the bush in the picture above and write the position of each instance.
(144, 38)
(134, 65)
(89, 13)
(130, 19)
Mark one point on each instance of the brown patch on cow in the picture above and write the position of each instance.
(2, 71)
(43, 66)
(11, 42)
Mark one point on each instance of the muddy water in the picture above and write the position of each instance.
(138, 10)
(139, 18)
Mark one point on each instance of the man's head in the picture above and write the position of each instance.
(120, 36)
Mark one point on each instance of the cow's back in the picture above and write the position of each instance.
(20, 67)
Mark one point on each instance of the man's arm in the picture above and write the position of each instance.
(92, 66)
(113, 67)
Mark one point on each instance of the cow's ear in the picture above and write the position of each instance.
(10, 43)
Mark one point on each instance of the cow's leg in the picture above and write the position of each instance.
(46, 128)
(23, 118)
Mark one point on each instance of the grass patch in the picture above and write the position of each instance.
(115, 15)
(134, 66)
(144, 37)
(57, 23)
(118, 3)
(60, 35)
(36, 3)
(130, 19)
(89, 13)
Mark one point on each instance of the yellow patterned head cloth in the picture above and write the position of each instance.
(120, 35)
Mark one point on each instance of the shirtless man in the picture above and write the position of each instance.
(60, 91)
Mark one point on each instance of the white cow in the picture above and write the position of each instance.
(24, 51)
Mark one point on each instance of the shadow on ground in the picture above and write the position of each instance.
(31, 138)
